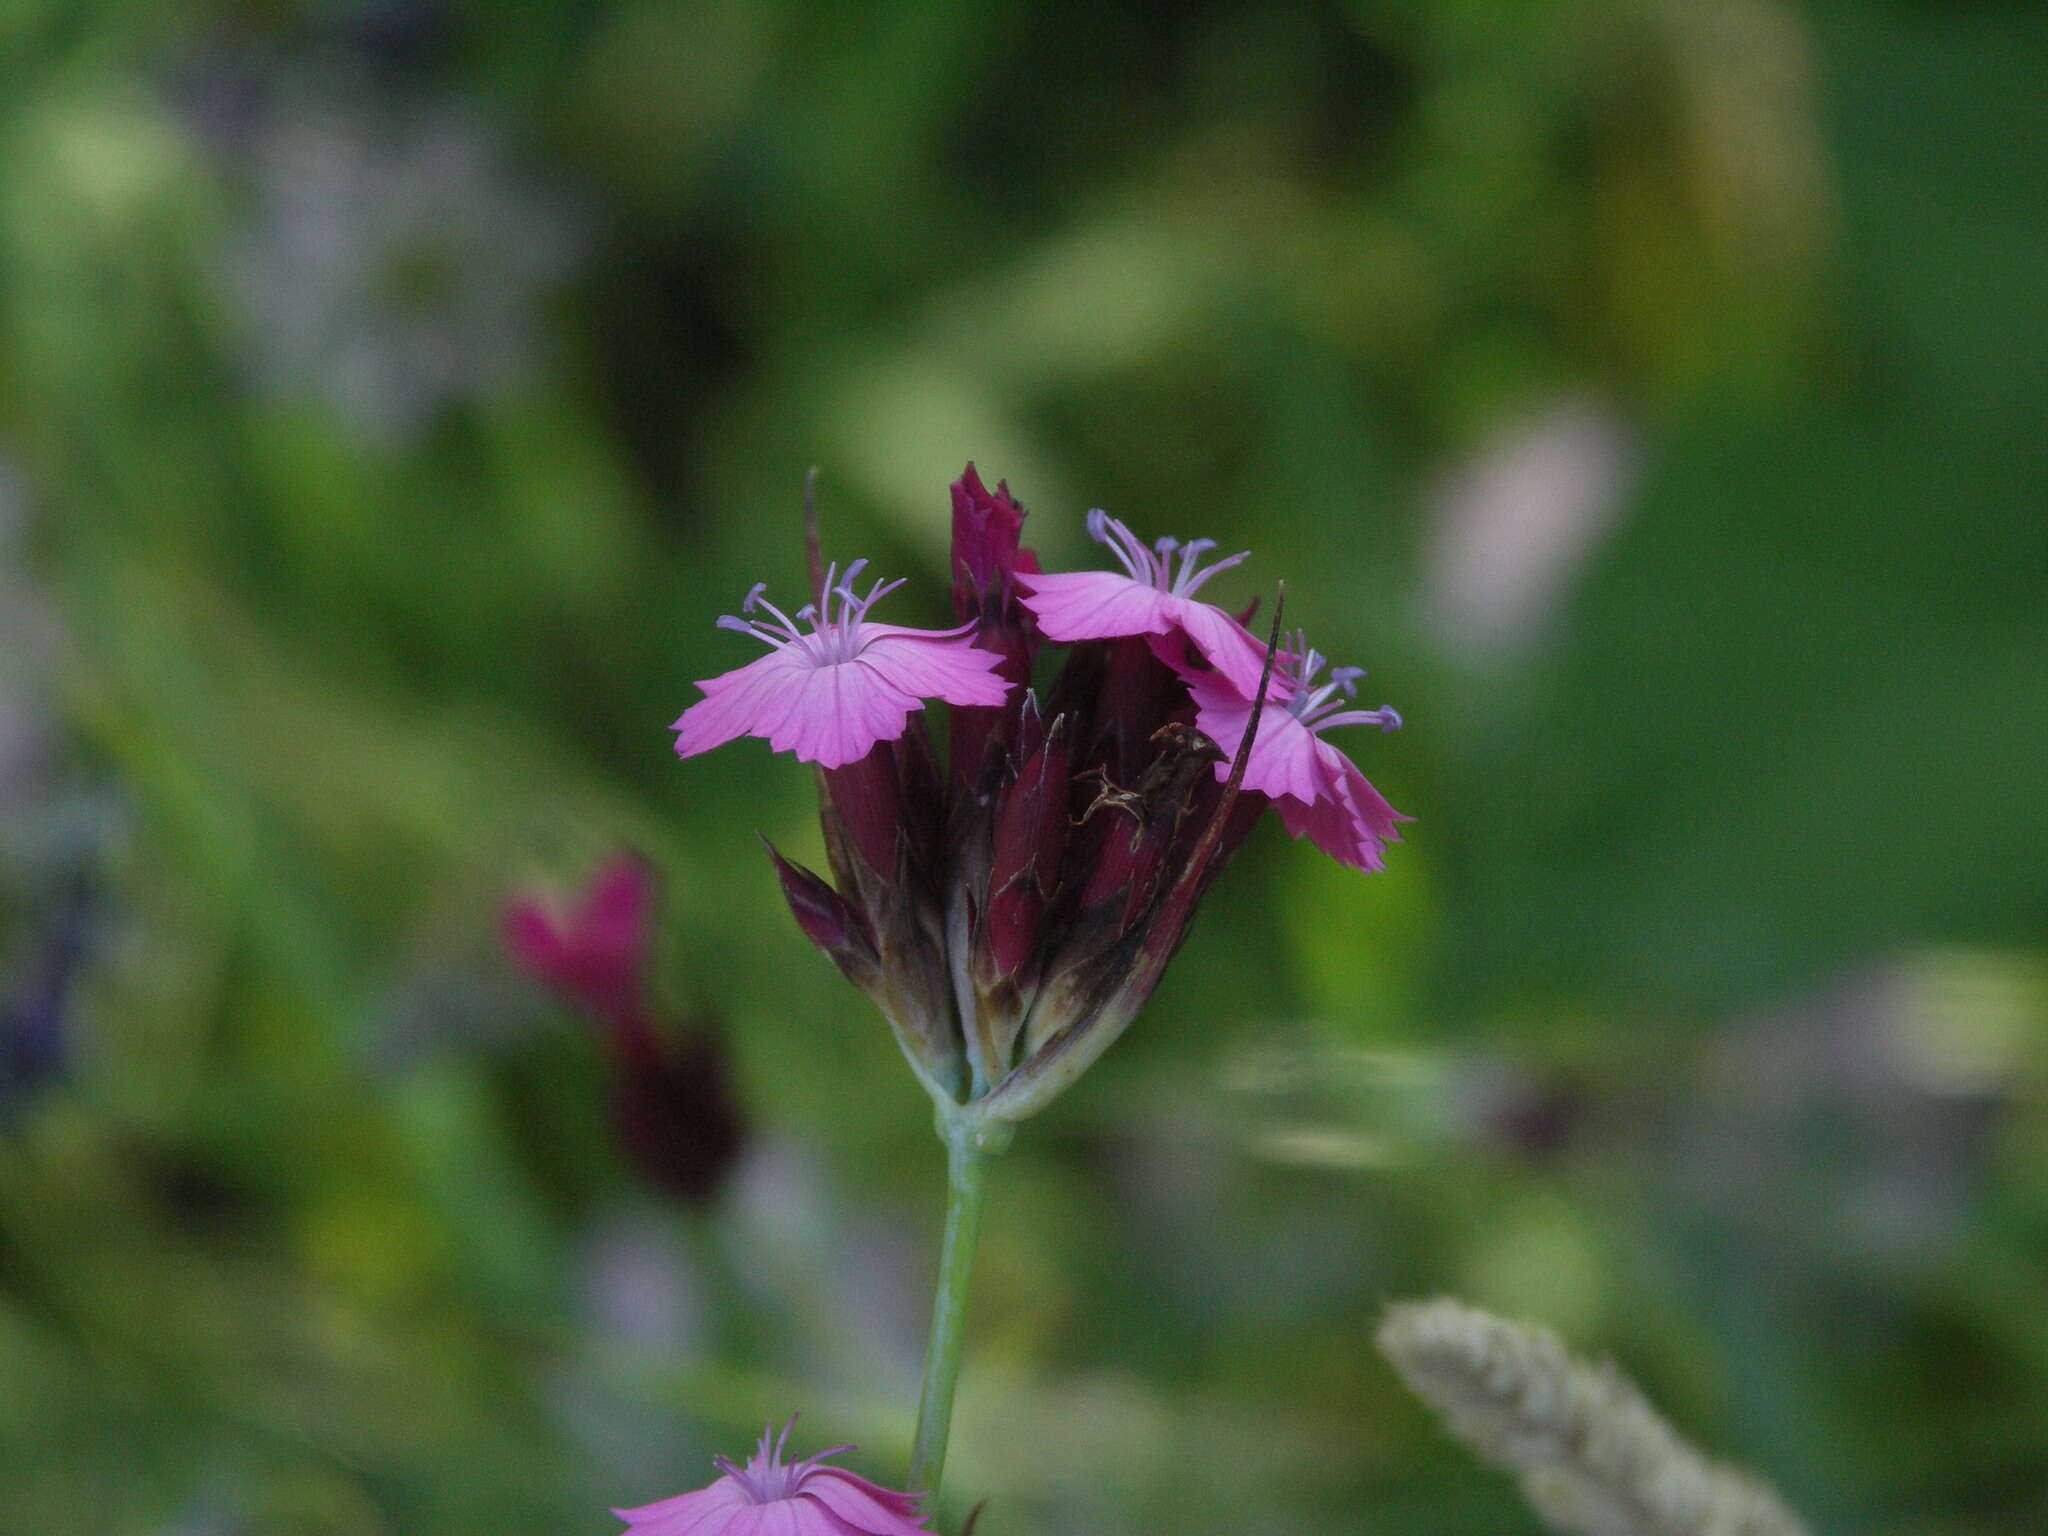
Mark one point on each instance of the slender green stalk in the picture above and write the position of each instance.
(967, 1160)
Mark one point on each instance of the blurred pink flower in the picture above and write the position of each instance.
(1155, 597)
(673, 1106)
(1318, 791)
(829, 696)
(595, 950)
(771, 1497)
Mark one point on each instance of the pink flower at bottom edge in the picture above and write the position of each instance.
(1318, 791)
(773, 1497)
(830, 695)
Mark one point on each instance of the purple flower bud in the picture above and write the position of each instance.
(868, 795)
(1088, 1003)
(1030, 836)
(826, 918)
(986, 560)
(1138, 694)
(987, 528)
(897, 800)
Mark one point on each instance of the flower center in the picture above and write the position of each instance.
(1154, 566)
(835, 634)
(767, 1477)
(1320, 706)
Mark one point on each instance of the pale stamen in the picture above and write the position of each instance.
(1318, 705)
(835, 628)
(1154, 567)
(767, 1477)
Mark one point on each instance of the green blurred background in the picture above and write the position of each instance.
(392, 392)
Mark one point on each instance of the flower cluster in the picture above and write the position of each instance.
(1012, 911)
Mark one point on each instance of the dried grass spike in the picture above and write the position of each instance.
(1593, 1457)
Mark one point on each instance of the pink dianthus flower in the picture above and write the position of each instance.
(772, 1497)
(1155, 597)
(830, 695)
(594, 949)
(1318, 791)
(673, 1105)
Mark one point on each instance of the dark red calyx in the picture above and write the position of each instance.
(1145, 820)
(867, 795)
(1030, 839)
(825, 916)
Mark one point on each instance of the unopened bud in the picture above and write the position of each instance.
(826, 918)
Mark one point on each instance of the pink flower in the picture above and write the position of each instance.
(771, 1497)
(829, 696)
(594, 952)
(1155, 597)
(673, 1108)
(1318, 791)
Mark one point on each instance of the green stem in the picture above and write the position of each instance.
(967, 1160)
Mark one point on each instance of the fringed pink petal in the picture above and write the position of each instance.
(830, 715)
(1331, 825)
(869, 1509)
(1379, 820)
(782, 1517)
(1348, 819)
(1095, 605)
(1226, 644)
(1287, 758)
(743, 702)
(834, 1524)
(1318, 791)
(927, 667)
(1284, 761)
(705, 1512)
(1102, 605)
(835, 715)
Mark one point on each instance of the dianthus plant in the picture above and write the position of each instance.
(1011, 909)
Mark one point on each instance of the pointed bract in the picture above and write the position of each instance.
(823, 914)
